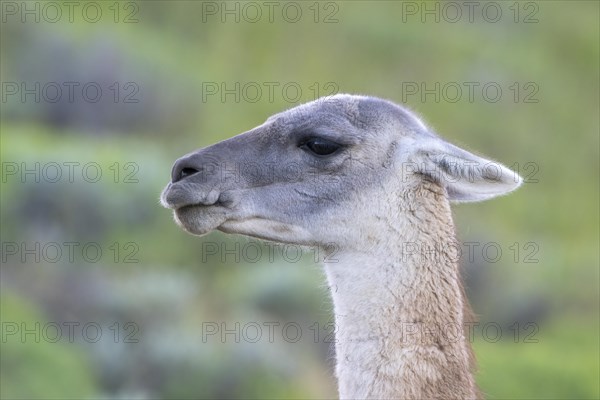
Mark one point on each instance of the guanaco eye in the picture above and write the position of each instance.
(320, 146)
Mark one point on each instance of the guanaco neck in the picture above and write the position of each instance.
(400, 307)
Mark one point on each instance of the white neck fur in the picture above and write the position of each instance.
(399, 308)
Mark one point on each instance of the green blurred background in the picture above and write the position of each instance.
(156, 293)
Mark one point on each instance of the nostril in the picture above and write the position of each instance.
(181, 171)
(185, 172)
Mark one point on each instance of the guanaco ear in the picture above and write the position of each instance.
(467, 177)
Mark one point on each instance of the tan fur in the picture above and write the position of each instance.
(400, 334)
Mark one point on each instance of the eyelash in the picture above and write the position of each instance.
(320, 146)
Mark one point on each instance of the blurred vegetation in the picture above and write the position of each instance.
(169, 293)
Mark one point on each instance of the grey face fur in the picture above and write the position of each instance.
(269, 183)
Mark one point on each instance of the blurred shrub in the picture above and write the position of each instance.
(35, 370)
